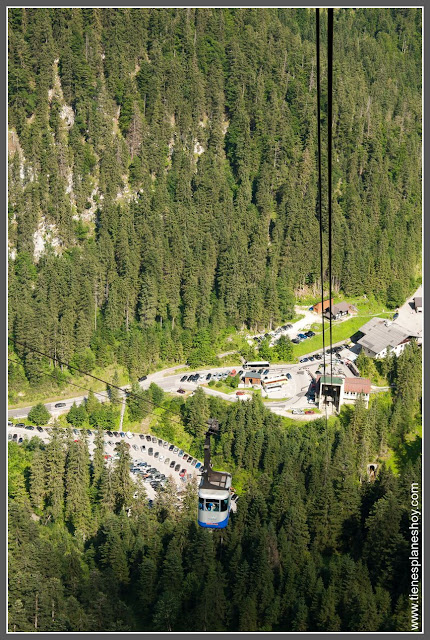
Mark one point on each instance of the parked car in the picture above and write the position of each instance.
(156, 454)
(40, 430)
(59, 405)
(182, 473)
(15, 436)
(310, 334)
(172, 464)
(302, 336)
(317, 356)
(189, 459)
(150, 451)
(395, 316)
(9, 423)
(296, 340)
(311, 401)
(141, 436)
(121, 434)
(161, 457)
(142, 378)
(167, 461)
(30, 427)
(209, 376)
(303, 360)
(240, 393)
(135, 447)
(148, 438)
(180, 391)
(311, 358)
(185, 456)
(289, 376)
(181, 453)
(172, 446)
(298, 412)
(309, 412)
(21, 425)
(232, 373)
(175, 450)
(193, 464)
(178, 466)
(198, 465)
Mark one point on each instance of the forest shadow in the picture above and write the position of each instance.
(345, 415)
(408, 452)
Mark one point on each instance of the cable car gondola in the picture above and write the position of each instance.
(214, 490)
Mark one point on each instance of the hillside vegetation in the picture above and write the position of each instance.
(162, 174)
(314, 546)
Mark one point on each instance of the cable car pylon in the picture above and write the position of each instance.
(214, 490)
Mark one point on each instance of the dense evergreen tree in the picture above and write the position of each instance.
(163, 175)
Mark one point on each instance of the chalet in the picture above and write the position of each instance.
(322, 306)
(252, 377)
(418, 304)
(381, 335)
(338, 310)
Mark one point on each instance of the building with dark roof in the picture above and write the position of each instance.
(382, 335)
(252, 377)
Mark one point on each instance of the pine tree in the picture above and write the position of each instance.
(77, 480)
(54, 470)
(37, 479)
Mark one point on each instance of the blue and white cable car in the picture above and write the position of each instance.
(214, 491)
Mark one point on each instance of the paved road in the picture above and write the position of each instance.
(170, 382)
(408, 318)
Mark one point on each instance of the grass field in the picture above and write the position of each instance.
(76, 386)
(342, 330)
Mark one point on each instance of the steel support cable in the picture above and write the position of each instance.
(73, 384)
(90, 375)
(320, 191)
(329, 160)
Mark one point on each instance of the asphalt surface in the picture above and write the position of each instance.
(136, 456)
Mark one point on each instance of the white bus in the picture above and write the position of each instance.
(256, 365)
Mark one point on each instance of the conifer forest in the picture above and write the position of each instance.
(163, 189)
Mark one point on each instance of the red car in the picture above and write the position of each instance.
(183, 473)
(233, 372)
(240, 393)
(308, 412)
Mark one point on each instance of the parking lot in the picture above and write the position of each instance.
(136, 442)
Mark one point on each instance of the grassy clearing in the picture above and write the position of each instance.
(221, 386)
(229, 361)
(341, 331)
(52, 393)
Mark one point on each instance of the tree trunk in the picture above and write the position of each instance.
(36, 607)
